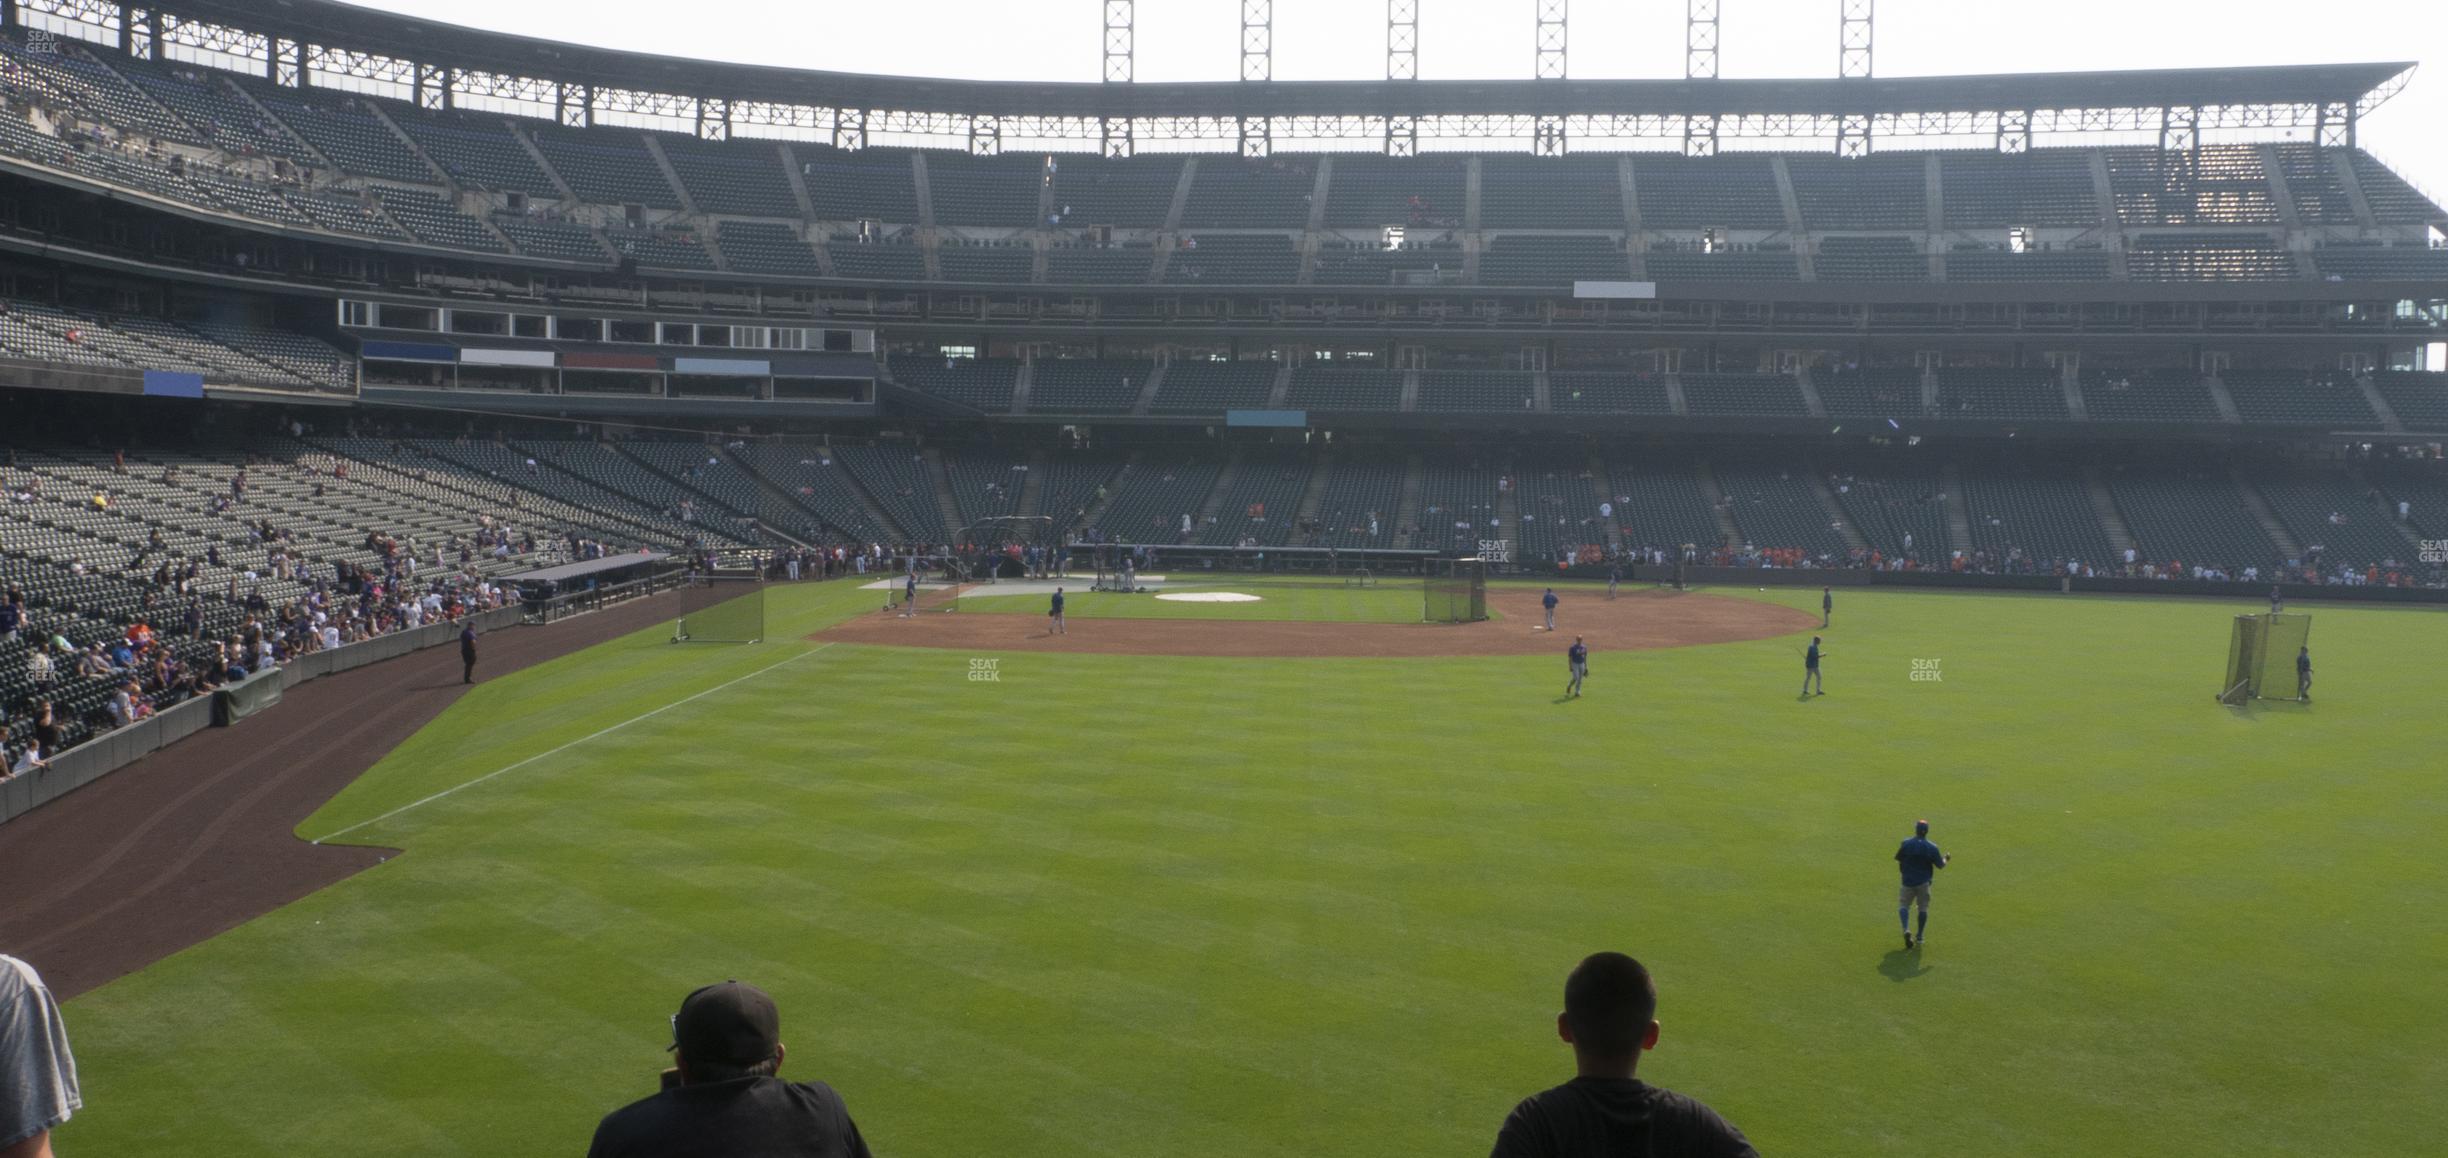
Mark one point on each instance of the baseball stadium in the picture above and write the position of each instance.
(1245, 616)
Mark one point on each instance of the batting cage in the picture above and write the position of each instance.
(2261, 649)
(1456, 591)
(1000, 547)
(941, 579)
(738, 619)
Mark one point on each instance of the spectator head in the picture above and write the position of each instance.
(1610, 1013)
(725, 1032)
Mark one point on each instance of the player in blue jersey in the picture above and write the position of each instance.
(1055, 614)
(1810, 669)
(1919, 860)
(1577, 659)
(909, 592)
(2303, 673)
(1548, 601)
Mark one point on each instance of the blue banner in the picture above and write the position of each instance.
(173, 384)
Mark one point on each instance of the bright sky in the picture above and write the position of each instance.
(1482, 39)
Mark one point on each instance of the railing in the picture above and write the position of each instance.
(110, 751)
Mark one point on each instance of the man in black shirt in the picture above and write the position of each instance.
(721, 1097)
(1609, 1019)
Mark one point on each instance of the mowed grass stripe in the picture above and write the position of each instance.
(1159, 906)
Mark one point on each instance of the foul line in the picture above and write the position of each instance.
(566, 747)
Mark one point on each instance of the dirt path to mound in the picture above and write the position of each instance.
(1634, 621)
(197, 838)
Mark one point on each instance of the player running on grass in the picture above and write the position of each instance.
(1577, 660)
(1810, 668)
(1919, 860)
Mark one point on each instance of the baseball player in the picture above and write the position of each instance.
(909, 595)
(1614, 576)
(1055, 613)
(2303, 673)
(1918, 859)
(1548, 601)
(1577, 659)
(1827, 606)
(1810, 669)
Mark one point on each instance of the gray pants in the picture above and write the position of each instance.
(1580, 671)
(1551, 619)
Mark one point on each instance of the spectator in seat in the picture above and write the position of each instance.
(41, 1087)
(1610, 1019)
(722, 1096)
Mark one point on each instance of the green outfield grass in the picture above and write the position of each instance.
(1162, 907)
(1392, 599)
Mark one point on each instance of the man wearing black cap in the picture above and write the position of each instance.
(726, 1048)
(1610, 1020)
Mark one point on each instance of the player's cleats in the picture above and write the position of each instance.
(1908, 942)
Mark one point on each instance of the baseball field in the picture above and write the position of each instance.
(1034, 898)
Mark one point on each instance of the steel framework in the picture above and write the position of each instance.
(1853, 37)
(1257, 39)
(1118, 38)
(1550, 40)
(1553, 115)
(1402, 39)
(1700, 40)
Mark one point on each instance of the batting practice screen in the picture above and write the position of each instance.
(1456, 591)
(2260, 649)
(740, 619)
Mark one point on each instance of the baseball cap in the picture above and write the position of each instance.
(731, 1023)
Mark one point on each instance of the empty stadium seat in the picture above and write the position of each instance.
(1200, 386)
(2298, 397)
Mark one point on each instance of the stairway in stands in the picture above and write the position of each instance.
(1406, 513)
(2103, 504)
(1853, 538)
(1958, 510)
(2259, 508)
(1032, 492)
(1313, 499)
(942, 483)
(1727, 532)
(1598, 477)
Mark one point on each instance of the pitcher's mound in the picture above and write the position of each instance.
(1632, 622)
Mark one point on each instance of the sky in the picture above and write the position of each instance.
(1492, 39)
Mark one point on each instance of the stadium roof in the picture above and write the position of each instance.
(332, 24)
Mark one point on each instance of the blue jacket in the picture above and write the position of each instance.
(1919, 859)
